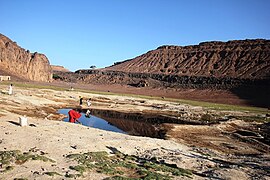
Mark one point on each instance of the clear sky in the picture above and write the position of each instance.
(81, 33)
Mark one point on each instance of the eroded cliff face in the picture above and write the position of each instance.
(249, 59)
(20, 62)
(218, 65)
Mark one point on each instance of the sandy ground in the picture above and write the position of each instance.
(205, 150)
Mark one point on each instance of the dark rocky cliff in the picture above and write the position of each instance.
(20, 62)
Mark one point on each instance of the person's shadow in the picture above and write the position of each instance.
(18, 124)
(15, 123)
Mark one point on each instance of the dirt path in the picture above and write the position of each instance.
(207, 151)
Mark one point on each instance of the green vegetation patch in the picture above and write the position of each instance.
(35, 86)
(9, 158)
(252, 118)
(121, 166)
(56, 76)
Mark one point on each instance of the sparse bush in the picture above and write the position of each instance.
(56, 76)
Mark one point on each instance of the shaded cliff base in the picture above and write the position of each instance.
(236, 91)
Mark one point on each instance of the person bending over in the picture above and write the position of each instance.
(74, 115)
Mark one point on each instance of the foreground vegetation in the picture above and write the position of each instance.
(116, 166)
(9, 159)
(121, 166)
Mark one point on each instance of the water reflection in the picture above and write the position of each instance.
(94, 122)
(126, 123)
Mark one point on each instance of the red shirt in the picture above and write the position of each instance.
(73, 115)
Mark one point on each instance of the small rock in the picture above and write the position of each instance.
(32, 125)
(36, 173)
(74, 147)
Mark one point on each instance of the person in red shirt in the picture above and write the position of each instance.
(74, 115)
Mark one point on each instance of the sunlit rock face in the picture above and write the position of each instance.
(20, 62)
(248, 59)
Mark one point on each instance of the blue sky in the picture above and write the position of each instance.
(81, 33)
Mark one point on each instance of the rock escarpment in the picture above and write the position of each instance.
(219, 65)
(241, 67)
(156, 80)
(20, 62)
(248, 59)
(59, 68)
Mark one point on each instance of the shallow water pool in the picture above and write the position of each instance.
(127, 123)
(93, 121)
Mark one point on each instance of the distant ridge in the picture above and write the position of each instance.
(59, 68)
(249, 59)
(240, 67)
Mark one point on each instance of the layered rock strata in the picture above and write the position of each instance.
(248, 59)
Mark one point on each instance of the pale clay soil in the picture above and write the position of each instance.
(186, 145)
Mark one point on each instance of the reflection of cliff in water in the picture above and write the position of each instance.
(133, 124)
(138, 128)
(142, 124)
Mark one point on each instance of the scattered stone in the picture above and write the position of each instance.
(36, 173)
(74, 147)
(32, 125)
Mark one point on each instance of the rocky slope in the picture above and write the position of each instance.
(248, 59)
(20, 62)
(219, 65)
(239, 67)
